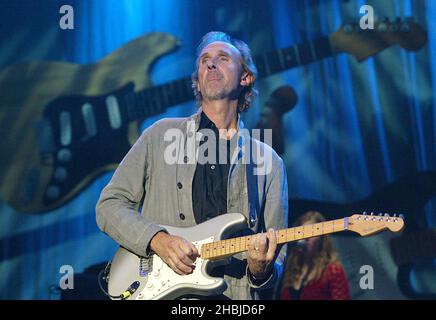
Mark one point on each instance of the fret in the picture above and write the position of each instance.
(289, 58)
(164, 91)
(297, 55)
(265, 61)
(313, 51)
(281, 235)
(152, 104)
(305, 54)
(317, 230)
(281, 59)
(129, 100)
(260, 64)
(274, 64)
(156, 98)
(308, 231)
(143, 103)
(189, 93)
(172, 92)
(298, 235)
(178, 90)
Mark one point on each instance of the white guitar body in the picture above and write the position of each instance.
(158, 281)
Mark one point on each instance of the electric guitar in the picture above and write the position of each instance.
(139, 278)
(62, 125)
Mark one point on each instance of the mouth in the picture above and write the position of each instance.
(213, 77)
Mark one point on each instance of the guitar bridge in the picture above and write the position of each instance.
(145, 266)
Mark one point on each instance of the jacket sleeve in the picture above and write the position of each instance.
(117, 210)
(275, 216)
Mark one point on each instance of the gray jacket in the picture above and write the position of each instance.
(164, 191)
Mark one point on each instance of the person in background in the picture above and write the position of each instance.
(313, 271)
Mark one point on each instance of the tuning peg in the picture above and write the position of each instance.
(387, 215)
(364, 213)
(395, 26)
(405, 27)
(401, 216)
(383, 25)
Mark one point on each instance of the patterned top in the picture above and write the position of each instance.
(332, 285)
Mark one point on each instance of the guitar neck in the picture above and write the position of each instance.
(224, 248)
(157, 99)
(294, 56)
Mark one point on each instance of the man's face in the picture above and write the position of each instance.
(219, 71)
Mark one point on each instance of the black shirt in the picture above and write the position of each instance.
(209, 187)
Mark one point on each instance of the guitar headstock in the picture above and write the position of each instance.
(366, 225)
(362, 44)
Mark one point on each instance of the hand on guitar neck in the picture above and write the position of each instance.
(261, 254)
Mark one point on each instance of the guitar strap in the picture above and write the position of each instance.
(253, 195)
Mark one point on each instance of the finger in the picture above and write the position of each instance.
(272, 244)
(175, 268)
(252, 245)
(185, 259)
(183, 267)
(261, 243)
(189, 249)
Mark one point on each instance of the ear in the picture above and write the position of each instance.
(246, 79)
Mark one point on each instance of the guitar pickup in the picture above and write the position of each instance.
(44, 137)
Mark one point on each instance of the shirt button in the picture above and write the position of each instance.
(212, 166)
(179, 185)
(182, 216)
(185, 159)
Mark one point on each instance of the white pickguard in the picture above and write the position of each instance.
(162, 281)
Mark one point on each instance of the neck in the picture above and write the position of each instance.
(222, 113)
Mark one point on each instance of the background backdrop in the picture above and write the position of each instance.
(356, 130)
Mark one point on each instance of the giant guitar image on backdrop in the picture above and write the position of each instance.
(56, 119)
(134, 277)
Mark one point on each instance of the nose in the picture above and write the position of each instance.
(211, 64)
